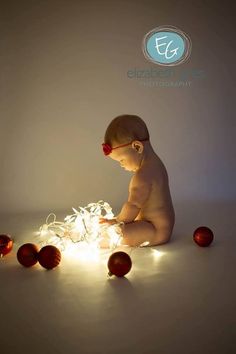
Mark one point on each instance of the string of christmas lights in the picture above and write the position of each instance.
(82, 226)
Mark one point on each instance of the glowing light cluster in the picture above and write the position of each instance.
(81, 231)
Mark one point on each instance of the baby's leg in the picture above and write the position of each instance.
(137, 232)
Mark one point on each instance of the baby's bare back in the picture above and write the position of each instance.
(158, 209)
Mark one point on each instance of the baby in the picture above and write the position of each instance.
(148, 214)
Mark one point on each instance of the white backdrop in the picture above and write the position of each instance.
(64, 77)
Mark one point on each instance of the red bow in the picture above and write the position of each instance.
(107, 149)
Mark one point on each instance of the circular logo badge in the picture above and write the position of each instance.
(167, 45)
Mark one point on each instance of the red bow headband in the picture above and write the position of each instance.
(107, 149)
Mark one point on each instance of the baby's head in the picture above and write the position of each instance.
(125, 140)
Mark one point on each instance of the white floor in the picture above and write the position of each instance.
(177, 298)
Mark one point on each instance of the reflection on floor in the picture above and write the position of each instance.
(177, 298)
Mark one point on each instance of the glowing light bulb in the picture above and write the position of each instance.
(144, 244)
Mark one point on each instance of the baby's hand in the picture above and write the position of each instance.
(108, 221)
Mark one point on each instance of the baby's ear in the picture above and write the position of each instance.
(138, 146)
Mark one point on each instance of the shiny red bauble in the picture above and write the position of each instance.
(27, 254)
(119, 264)
(6, 244)
(203, 236)
(49, 257)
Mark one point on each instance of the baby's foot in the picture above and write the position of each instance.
(111, 236)
(104, 241)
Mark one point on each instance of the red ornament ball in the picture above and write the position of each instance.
(6, 244)
(49, 257)
(119, 264)
(203, 236)
(27, 254)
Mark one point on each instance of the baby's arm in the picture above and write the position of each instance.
(138, 194)
(128, 212)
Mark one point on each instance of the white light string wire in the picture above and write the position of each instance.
(83, 225)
